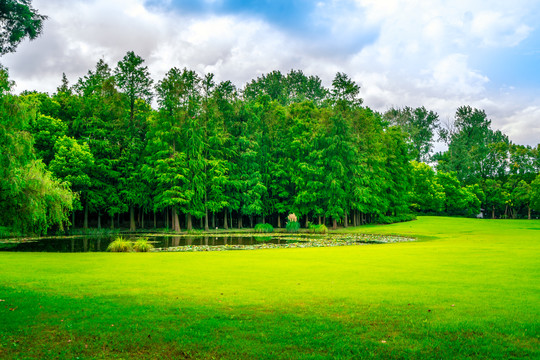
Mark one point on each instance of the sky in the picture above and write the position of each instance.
(440, 54)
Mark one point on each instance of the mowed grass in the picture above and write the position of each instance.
(467, 289)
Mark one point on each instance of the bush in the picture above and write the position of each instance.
(264, 228)
(292, 226)
(120, 245)
(383, 219)
(318, 229)
(142, 245)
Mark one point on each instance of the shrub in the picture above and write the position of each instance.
(142, 245)
(264, 228)
(292, 226)
(318, 229)
(383, 219)
(120, 245)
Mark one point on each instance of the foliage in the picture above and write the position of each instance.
(475, 151)
(120, 245)
(18, 20)
(31, 199)
(384, 219)
(292, 226)
(420, 125)
(283, 144)
(427, 195)
(264, 228)
(318, 229)
(142, 245)
(535, 193)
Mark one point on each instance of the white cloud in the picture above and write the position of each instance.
(498, 30)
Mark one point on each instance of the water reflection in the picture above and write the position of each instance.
(100, 243)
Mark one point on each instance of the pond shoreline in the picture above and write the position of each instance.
(198, 242)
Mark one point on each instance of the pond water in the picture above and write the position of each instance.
(100, 243)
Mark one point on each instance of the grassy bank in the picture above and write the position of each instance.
(468, 288)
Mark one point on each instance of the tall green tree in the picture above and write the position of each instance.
(475, 151)
(178, 144)
(535, 193)
(420, 125)
(73, 163)
(134, 81)
(100, 122)
(427, 195)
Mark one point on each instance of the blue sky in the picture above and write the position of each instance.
(440, 54)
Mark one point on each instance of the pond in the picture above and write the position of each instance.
(100, 243)
(210, 242)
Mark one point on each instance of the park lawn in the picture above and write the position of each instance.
(468, 288)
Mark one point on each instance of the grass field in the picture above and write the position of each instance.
(467, 289)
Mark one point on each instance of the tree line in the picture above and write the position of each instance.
(116, 148)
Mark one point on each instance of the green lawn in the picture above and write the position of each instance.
(467, 289)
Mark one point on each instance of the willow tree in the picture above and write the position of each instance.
(31, 199)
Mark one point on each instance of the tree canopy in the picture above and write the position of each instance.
(212, 155)
(18, 20)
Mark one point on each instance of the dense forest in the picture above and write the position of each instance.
(116, 149)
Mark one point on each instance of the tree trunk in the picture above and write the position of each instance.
(73, 219)
(201, 223)
(307, 222)
(529, 212)
(264, 219)
(334, 224)
(112, 221)
(345, 220)
(493, 212)
(142, 218)
(239, 221)
(206, 220)
(251, 221)
(189, 222)
(85, 225)
(213, 220)
(225, 223)
(319, 219)
(176, 222)
(167, 218)
(99, 220)
(155, 220)
(230, 217)
(132, 226)
(279, 221)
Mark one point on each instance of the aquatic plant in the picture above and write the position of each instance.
(120, 245)
(318, 229)
(142, 245)
(264, 228)
(292, 226)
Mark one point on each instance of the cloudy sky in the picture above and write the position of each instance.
(438, 53)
